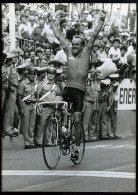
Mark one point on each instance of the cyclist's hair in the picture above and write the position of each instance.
(82, 40)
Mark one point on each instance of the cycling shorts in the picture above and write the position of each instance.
(75, 95)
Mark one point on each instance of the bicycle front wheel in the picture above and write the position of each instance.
(82, 147)
(51, 144)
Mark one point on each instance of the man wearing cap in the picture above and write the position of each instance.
(91, 109)
(47, 92)
(103, 118)
(27, 98)
(113, 103)
(32, 25)
(11, 94)
(78, 57)
(84, 17)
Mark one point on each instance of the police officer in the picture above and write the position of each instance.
(28, 97)
(91, 109)
(11, 95)
(103, 118)
(113, 104)
(47, 92)
(22, 72)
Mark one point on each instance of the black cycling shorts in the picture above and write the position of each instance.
(75, 95)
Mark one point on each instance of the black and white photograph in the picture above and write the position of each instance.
(68, 97)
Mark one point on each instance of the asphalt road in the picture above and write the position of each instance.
(108, 166)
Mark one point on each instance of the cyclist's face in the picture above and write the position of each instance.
(76, 45)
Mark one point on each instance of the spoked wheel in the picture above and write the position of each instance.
(82, 147)
(51, 144)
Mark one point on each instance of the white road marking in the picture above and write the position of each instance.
(110, 146)
(109, 174)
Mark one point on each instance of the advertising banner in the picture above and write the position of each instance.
(127, 95)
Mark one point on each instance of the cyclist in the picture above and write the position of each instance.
(78, 56)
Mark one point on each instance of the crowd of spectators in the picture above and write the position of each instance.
(43, 57)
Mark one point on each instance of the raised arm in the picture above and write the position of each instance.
(96, 31)
(58, 34)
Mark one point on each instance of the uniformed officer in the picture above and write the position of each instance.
(103, 118)
(11, 95)
(28, 97)
(41, 74)
(22, 71)
(113, 103)
(91, 108)
(47, 92)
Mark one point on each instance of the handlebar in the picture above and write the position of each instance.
(56, 103)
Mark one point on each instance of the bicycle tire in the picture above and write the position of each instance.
(51, 152)
(82, 148)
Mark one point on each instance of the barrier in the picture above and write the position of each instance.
(25, 43)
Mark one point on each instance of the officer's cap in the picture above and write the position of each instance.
(106, 81)
(31, 70)
(22, 66)
(41, 69)
(51, 69)
(114, 76)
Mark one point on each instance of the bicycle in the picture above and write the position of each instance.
(55, 142)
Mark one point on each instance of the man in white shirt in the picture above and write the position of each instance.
(23, 29)
(61, 56)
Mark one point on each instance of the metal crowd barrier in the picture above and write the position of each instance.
(25, 43)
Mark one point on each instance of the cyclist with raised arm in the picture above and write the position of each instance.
(78, 56)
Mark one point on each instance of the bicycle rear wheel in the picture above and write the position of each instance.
(51, 144)
(82, 147)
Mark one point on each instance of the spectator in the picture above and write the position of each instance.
(88, 31)
(37, 34)
(48, 54)
(111, 37)
(115, 31)
(32, 25)
(74, 31)
(63, 24)
(115, 49)
(27, 14)
(23, 30)
(61, 56)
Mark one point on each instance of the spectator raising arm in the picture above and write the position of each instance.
(96, 31)
(58, 34)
